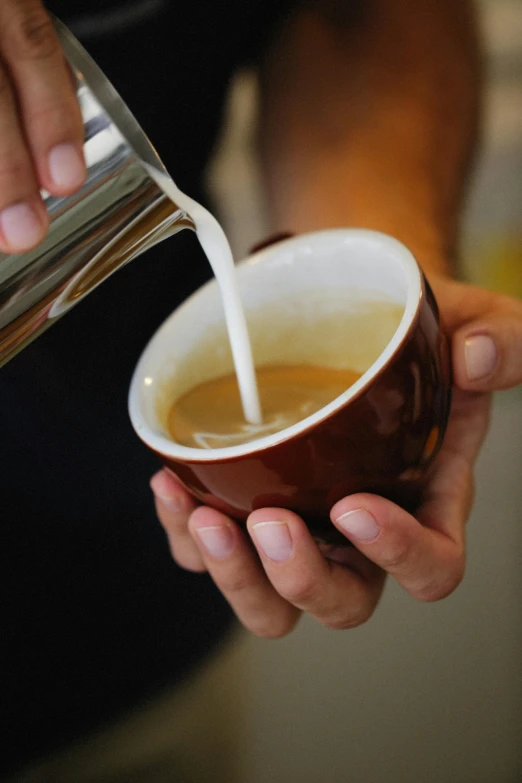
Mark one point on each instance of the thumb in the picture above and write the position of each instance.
(487, 353)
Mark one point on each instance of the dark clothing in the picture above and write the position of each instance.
(95, 617)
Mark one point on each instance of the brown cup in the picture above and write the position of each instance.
(316, 298)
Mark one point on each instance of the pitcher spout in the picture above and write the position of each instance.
(154, 223)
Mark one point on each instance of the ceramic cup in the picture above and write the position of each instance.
(341, 298)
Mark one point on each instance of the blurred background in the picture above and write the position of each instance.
(426, 693)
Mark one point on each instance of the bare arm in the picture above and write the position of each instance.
(370, 119)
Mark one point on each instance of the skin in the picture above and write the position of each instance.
(360, 130)
(366, 120)
(341, 588)
(39, 116)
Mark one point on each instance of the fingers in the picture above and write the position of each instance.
(427, 557)
(487, 353)
(486, 331)
(467, 429)
(237, 572)
(23, 218)
(49, 109)
(267, 592)
(337, 596)
(174, 506)
(41, 130)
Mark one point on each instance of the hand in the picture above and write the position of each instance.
(284, 573)
(41, 129)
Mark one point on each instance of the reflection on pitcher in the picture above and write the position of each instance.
(118, 214)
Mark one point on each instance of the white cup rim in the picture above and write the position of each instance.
(170, 449)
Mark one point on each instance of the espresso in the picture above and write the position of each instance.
(210, 415)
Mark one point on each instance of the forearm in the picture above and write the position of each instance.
(371, 121)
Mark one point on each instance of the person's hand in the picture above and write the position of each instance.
(41, 130)
(284, 572)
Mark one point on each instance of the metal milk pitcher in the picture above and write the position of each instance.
(119, 213)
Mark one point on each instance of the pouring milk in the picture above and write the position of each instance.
(217, 249)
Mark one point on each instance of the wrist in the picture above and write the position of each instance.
(432, 250)
(328, 194)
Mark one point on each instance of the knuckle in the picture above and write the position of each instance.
(11, 167)
(397, 555)
(175, 522)
(56, 116)
(345, 622)
(32, 34)
(188, 563)
(14, 173)
(234, 582)
(273, 628)
(300, 591)
(185, 555)
(442, 585)
(175, 525)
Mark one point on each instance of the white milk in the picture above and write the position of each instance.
(215, 245)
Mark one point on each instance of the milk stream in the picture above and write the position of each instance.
(217, 249)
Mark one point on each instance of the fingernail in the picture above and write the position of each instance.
(21, 226)
(218, 540)
(172, 503)
(481, 356)
(160, 484)
(66, 166)
(274, 539)
(359, 524)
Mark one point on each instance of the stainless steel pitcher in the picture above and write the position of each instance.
(119, 213)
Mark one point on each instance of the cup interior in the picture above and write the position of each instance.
(340, 298)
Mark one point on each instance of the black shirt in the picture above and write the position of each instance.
(94, 616)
